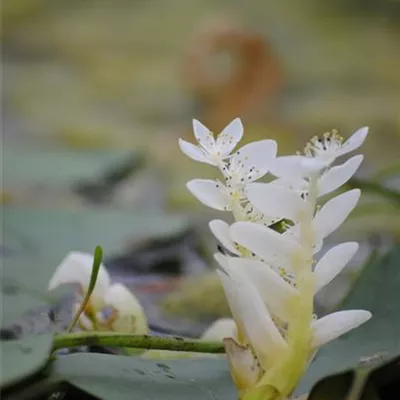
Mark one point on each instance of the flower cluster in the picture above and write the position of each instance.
(270, 277)
(125, 312)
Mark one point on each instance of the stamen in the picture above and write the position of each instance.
(329, 142)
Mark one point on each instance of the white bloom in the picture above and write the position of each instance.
(330, 180)
(76, 268)
(209, 150)
(291, 206)
(321, 151)
(248, 164)
(331, 145)
(128, 315)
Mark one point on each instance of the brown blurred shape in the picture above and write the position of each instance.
(254, 79)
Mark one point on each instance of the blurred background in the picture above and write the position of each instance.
(97, 93)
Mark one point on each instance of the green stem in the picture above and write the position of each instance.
(135, 341)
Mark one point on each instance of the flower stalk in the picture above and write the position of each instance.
(113, 339)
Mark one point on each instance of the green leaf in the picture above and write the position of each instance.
(55, 232)
(23, 358)
(97, 259)
(30, 165)
(120, 377)
(377, 290)
(20, 294)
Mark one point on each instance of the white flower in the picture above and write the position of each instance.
(76, 268)
(284, 202)
(248, 164)
(209, 150)
(320, 152)
(127, 313)
(330, 179)
(331, 145)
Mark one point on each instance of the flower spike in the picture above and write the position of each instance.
(268, 271)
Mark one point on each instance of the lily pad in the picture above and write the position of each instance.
(55, 232)
(55, 166)
(23, 358)
(23, 286)
(120, 378)
(376, 290)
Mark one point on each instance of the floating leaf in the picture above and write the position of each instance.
(55, 166)
(55, 232)
(120, 377)
(23, 358)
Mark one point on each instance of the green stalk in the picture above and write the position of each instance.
(285, 375)
(114, 339)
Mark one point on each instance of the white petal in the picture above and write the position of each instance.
(230, 136)
(244, 368)
(76, 268)
(274, 290)
(276, 249)
(231, 296)
(194, 152)
(336, 324)
(220, 229)
(220, 329)
(354, 142)
(274, 200)
(313, 165)
(259, 327)
(338, 176)
(299, 185)
(251, 315)
(203, 135)
(130, 313)
(210, 193)
(288, 167)
(334, 212)
(256, 158)
(333, 262)
(221, 260)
